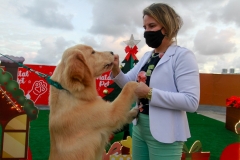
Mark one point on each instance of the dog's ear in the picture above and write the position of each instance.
(77, 69)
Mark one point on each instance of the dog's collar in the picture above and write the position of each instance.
(54, 83)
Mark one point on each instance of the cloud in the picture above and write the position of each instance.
(116, 45)
(188, 24)
(41, 30)
(51, 50)
(235, 62)
(209, 41)
(215, 64)
(226, 62)
(211, 63)
(227, 12)
(47, 13)
(90, 41)
(117, 18)
(231, 12)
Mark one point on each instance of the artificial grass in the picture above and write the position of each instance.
(39, 138)
(212, 134)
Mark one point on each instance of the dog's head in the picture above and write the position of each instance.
(80, 65)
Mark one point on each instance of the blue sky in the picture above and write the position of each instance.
(40, 30)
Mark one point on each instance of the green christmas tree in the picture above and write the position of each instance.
(127, 64)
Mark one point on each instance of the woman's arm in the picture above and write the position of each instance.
(187, 82)
(121, 79)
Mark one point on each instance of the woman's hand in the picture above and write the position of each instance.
(115, 69)
(142, 90)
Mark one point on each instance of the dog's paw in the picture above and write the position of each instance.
(132, 85)
(132, 114)
(128, 91)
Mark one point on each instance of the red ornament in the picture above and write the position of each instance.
(131, 51)
(231, 152)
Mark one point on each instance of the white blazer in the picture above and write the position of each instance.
(176, 89)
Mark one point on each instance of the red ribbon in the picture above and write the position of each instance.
(131, 51)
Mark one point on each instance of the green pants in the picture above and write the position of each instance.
(145, 147)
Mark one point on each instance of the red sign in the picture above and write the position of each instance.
(37, 89)
(102, 82)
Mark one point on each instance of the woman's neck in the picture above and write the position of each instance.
(163, 47)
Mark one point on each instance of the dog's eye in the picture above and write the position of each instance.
(93, 52)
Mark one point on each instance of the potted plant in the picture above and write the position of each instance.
(232, 112)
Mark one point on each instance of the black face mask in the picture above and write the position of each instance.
(153, 38)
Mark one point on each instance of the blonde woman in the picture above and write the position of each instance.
(171, 87)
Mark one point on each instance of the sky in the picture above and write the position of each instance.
(40, 30)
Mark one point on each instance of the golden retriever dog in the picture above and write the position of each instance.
(80, 121)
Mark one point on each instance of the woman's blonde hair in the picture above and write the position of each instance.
(166, 16)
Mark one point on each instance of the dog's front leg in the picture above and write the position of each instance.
(120, 109)
(132, 114)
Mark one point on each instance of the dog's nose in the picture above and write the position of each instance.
(111, 53)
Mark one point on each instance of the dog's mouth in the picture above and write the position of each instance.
(107, 66)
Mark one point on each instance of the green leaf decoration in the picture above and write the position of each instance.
(21, 99)
(32, 113)
(185, 149)
(196, 147)
(5, 77)
(12, 86)
(28, 105)
(30, 109)
(16, 94)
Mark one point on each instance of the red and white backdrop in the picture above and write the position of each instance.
(37, 89)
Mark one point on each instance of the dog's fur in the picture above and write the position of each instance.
(80, 121)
